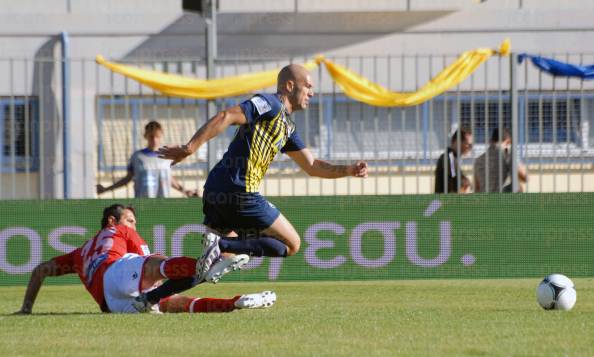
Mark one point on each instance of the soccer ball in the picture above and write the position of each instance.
(556, 292)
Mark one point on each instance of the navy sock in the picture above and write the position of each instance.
(256, 247)
(170, 287)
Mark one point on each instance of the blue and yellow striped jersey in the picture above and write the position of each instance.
(269, 130)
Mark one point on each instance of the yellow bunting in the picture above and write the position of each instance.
(363, 90)
(353, 85)
(179, 86)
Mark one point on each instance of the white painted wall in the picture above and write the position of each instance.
(130, 29)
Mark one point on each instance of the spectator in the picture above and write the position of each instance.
(492, 170)
(151, 175)
(448, 175)
(466, 186)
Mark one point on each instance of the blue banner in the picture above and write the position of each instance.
(557, 68)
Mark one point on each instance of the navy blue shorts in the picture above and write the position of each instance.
(243, 212)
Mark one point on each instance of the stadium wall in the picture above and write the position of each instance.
(156, 30)
(344, 237)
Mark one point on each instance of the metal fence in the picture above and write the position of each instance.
(554, 121)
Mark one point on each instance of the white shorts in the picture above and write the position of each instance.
(122, 281)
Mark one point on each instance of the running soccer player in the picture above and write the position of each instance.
(231, 203)
(116, 266)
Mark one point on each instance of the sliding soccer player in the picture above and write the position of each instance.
(117, 268)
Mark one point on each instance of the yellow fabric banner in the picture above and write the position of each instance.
(179, 86)
(365, 91)
(353, 85)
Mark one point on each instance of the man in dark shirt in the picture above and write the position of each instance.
(448, 175)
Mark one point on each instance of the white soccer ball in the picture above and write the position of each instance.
(556, 292)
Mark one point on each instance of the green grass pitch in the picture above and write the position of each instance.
(436, 317)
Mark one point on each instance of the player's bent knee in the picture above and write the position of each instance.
(293, 246)
(151, 269)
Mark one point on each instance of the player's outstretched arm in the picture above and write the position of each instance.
(119, 183)
(43, 270)
(176, 184)
(319, 168)
(216, 125)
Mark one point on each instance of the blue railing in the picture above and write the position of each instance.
(528, 134)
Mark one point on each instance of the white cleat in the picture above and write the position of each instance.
(154, 310)
(261, 300)
(210, 254)
(226, 265)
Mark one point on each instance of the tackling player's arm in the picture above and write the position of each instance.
(49, 268)
(319, 168)
(216, 125)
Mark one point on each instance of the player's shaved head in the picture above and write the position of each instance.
(292, 72)
(294, 84)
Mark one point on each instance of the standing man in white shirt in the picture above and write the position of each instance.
(151, 175)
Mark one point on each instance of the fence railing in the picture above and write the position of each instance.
(402, 145)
